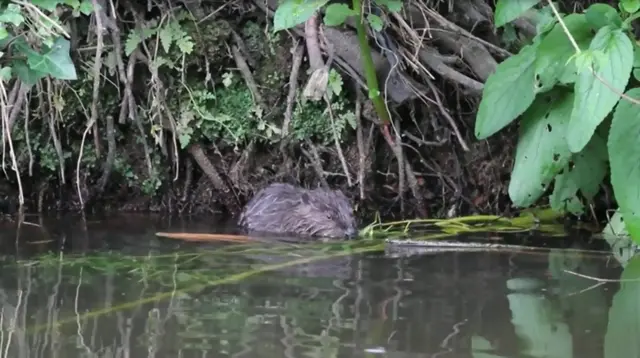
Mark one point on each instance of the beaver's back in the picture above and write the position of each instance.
(284, 208)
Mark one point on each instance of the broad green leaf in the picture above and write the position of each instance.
(601, 15)
(630, 6)
(620, 339)
(542, 148)
(336, 14)
(552, 59)
(586, 174)
(624, 156)
(55, 61)
(595, 99)
(545, 19)
(294, 12)
(509, 10)
(507, 93)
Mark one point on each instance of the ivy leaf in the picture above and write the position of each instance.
(294, 12)
(26, 74)
(509, 10)
(508, 92)
(623, 143)
(12, 15)
(55, 61)
(595, 99)
(336, 14)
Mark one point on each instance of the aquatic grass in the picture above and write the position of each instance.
(233, 278)
(543, 220)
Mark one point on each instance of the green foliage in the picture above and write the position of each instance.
(565, 95)
(509, 10)
(624, 143)
(312, 120)
(291, 13)
(45, 32)
(170, 34)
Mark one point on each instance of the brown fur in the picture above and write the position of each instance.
(286, 209)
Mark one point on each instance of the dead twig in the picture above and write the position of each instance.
(97, 65)
(298, 53)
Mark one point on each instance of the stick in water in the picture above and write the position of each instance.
(203, 237)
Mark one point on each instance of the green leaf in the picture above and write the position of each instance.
(636, 55)
(165, 38)
(392, 5)
(601, 15)
(624, 315)
(555, 50)
(630, 6)
(48, 5)
(335, 82)
(375, 21)
(86, 7)
(594, 99)
(545, 19)
(624, 155)
(5, 74)
(509, 10)
(542, 148)
(55, 61)
(507, 93)
(12, 14)
(586, 175)
(294, 12)
(336, 14)
(26, 74)
(133, 40)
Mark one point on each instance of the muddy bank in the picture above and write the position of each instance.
(211, 106)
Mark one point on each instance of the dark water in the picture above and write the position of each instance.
(110, 288)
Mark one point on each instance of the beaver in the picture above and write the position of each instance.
(286, 209)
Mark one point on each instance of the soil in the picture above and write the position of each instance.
(433, 109)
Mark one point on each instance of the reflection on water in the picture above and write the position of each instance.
(114, 290)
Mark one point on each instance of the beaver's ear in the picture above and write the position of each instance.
(305, 198)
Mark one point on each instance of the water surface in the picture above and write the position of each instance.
(110, 288)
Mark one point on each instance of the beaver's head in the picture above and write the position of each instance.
(326, 213)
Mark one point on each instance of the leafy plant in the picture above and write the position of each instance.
(52, 58)
(564, 85)
(291, 13)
